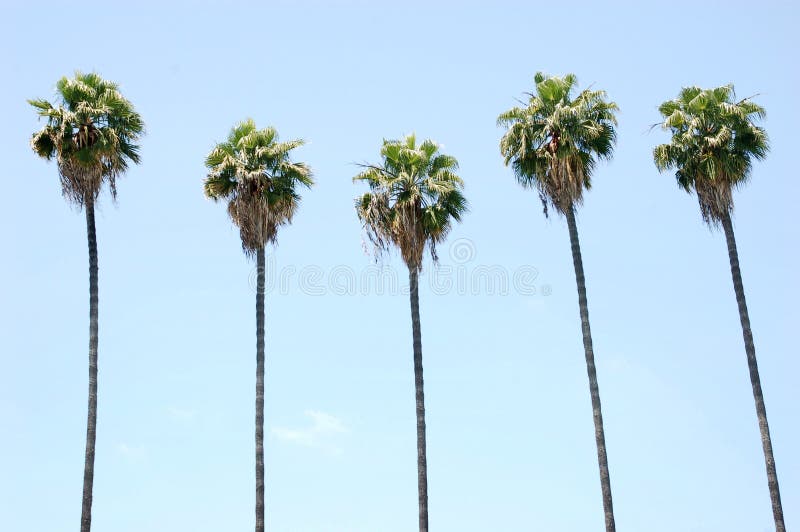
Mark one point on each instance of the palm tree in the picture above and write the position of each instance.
(91, 132)
(254, 173)
(414, 197)
(714, 141)
(553, 145)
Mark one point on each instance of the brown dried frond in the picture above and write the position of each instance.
(715, 199)
(562, 185)
(409, 235)
(80, 182)
(258, 221)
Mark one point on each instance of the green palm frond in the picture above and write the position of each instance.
(414, 198)
(255, 174)
(92, 131)
(714, 141)
(553, 144)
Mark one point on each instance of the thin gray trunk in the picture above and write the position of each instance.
(91, 422)
(260, 265)
(755, 380)
(597, 414)
(422, 461)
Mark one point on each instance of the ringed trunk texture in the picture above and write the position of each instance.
(422, 460)
(91, 422)
(755, 380)
(260, 266)
(597, 414)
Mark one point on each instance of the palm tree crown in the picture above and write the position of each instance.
(552, 144)
(91, 132)
(255, 174)
(714, 141)
(414, 197)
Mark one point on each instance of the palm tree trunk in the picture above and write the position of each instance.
(755, 380)
(260, 265)
(91, 422)
(599, 433)
(422, 460)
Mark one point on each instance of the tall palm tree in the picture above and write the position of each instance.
(91, 132)
(254, 173)
(414, 197)
(714, 141)
(552, 145)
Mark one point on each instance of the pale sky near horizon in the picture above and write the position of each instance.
(510, 435)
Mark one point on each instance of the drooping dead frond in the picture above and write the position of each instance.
(715, 199)
(79, 182)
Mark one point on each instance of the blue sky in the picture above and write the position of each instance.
(510, 431)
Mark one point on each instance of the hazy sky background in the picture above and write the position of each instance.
(510, 433)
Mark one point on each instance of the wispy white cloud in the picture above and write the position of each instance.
(131, 452)
(320, 434)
